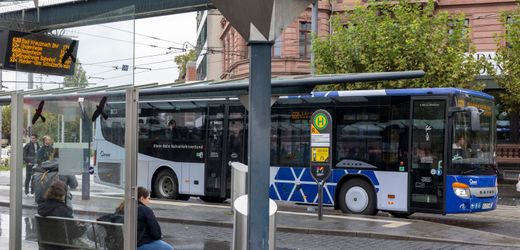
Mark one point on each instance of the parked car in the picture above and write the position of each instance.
(4, 156)
(518, 184)
(5, 152)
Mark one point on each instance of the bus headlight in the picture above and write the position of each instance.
(461, 190)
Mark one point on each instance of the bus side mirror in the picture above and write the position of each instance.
(474, 114)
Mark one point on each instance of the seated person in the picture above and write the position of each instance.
(148, 229)
(54, 205)
(459, 148)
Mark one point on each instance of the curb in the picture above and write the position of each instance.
(300, 230)
(334, 232)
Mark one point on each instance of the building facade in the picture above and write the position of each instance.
(209, 45)
(291, 56)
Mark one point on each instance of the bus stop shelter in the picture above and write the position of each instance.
(259, 29)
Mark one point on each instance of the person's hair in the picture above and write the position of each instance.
(142, 192)
(45, 137)
(172, 122)
(121, 208)
(35, 135)
(56, 191)
(56, 153)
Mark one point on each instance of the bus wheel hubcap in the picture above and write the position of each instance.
(166, 186)
(356, 199)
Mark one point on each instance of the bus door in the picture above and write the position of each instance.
(427, 155)
(236, 142)
(214, 172)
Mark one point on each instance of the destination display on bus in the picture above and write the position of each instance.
(37, 53)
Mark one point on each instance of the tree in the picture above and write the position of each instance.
(182, 61)
(508, 57)
(78, 79)
(396, 36)
(6, 122)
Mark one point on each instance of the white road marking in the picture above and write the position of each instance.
(389, 223)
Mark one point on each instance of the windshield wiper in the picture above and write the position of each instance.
(470, 171)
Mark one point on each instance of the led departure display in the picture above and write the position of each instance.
(38, 53)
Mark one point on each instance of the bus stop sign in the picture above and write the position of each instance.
(321, 149)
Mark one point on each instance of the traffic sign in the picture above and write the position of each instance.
(321, 148)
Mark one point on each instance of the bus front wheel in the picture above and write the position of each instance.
(166, 185)
(357, 197)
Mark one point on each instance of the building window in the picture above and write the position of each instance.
(509, 24)
(227, 53)
(466, 26)
(202, 70)
(277, 47)
(305, 39)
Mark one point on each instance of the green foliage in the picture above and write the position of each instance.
(79, 79)
(508, 57)
(6, 122)
(50, 127)
(390, 36)
(183, 60)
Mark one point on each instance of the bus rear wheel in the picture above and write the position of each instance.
(357, 197)
(166, 185)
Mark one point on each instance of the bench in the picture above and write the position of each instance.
(72, 233)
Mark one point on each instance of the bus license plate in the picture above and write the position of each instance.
(487, 205)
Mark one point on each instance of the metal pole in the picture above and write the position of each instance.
(258, 144)
(1, 110)
(130, 227)
(238, 181)
(30, 81)
(314, 30)
(320, 201)
(86, 124)
(15, 192)
(62, 128)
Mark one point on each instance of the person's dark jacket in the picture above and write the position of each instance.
(59, 209)
(54, 208)
(29, 155)
(44, 175)
(69, 180)
(148, 228)
(44, 153)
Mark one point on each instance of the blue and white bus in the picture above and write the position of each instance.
(393, 150)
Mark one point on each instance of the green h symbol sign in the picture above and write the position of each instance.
(320, 121)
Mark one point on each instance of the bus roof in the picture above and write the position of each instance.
(398, 92)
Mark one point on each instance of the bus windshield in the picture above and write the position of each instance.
(473, 151)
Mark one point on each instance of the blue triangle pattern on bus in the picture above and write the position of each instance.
(331, 190)
(284, 189)
(307, 175)
(297, 196)
(297, 172)
(311, 191)
(284, 174)
(272, 193)
(336, 175)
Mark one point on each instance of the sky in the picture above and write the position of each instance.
(104, 49)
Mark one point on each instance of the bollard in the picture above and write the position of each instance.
(238, 181)
(240, 224)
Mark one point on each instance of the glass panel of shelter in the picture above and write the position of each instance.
(5, 114)
(61, 109)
